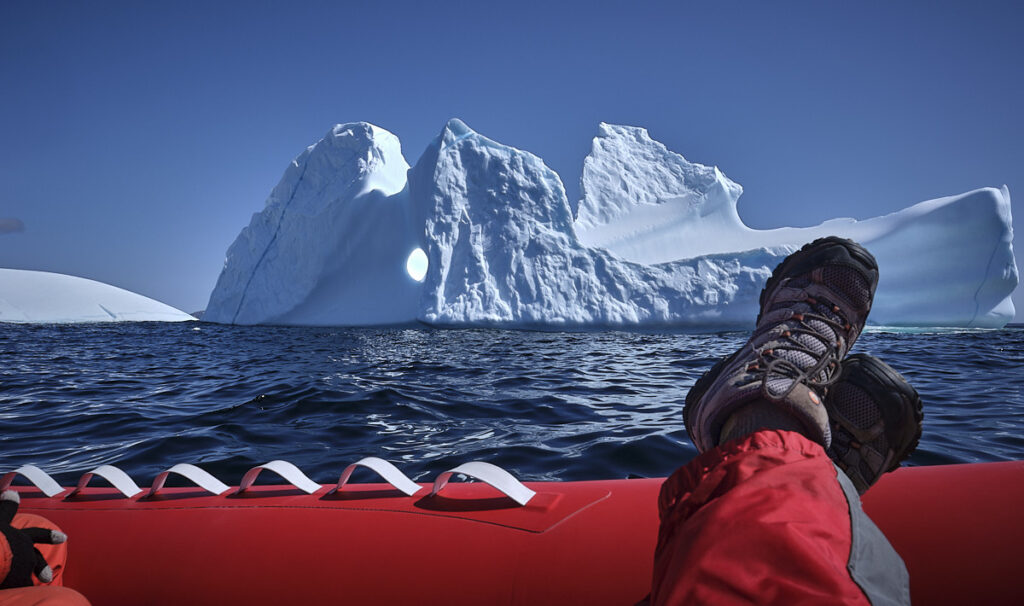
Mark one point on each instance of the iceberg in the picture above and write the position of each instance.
(944, 262)
(482, 234)
(43, 297)
(328, 246)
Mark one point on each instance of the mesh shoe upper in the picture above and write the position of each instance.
(876, 419)
(813, 308)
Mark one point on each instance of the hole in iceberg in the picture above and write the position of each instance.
(416, 265)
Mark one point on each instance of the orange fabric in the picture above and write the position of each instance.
(5, 557)
(42, 596)
(758, 520)
(56, 556)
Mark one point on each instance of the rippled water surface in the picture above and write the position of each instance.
(567, 406)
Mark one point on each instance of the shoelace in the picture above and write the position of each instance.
(772, 364)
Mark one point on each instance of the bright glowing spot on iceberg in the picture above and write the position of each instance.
(416, 265)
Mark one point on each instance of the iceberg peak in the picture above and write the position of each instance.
(294, 262)
(454, 130)
(459, 128)
(649, 204)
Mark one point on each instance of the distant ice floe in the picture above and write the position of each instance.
(655, 241)
(44, 297)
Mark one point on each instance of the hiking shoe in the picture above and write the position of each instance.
(813, 308)
(876, 419)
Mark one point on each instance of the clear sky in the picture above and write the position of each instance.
(137, 138)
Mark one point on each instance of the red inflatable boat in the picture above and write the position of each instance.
(960, 529)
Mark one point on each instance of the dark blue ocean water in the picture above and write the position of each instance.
(567, 406)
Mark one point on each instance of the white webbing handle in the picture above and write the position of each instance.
(117, 478)
(384, 469)
(197, 476)
(491, 474)
(292, 474)
(39, 478)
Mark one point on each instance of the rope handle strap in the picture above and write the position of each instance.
(117, 478)
(197, 476)
(39, 478)
(291, 474)
(385, 470)
(497, 477)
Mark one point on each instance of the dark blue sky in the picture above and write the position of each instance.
(136, 140)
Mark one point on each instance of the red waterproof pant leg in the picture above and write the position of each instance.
(765, 520)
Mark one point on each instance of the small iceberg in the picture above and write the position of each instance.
(49, 298)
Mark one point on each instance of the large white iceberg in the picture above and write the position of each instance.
(330, 244)
(945, 262)
(654, 241)
(44, 297)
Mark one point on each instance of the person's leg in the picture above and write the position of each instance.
(765, 519)
(764, 516)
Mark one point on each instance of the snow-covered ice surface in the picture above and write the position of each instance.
(44, 297)
(655, 241)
